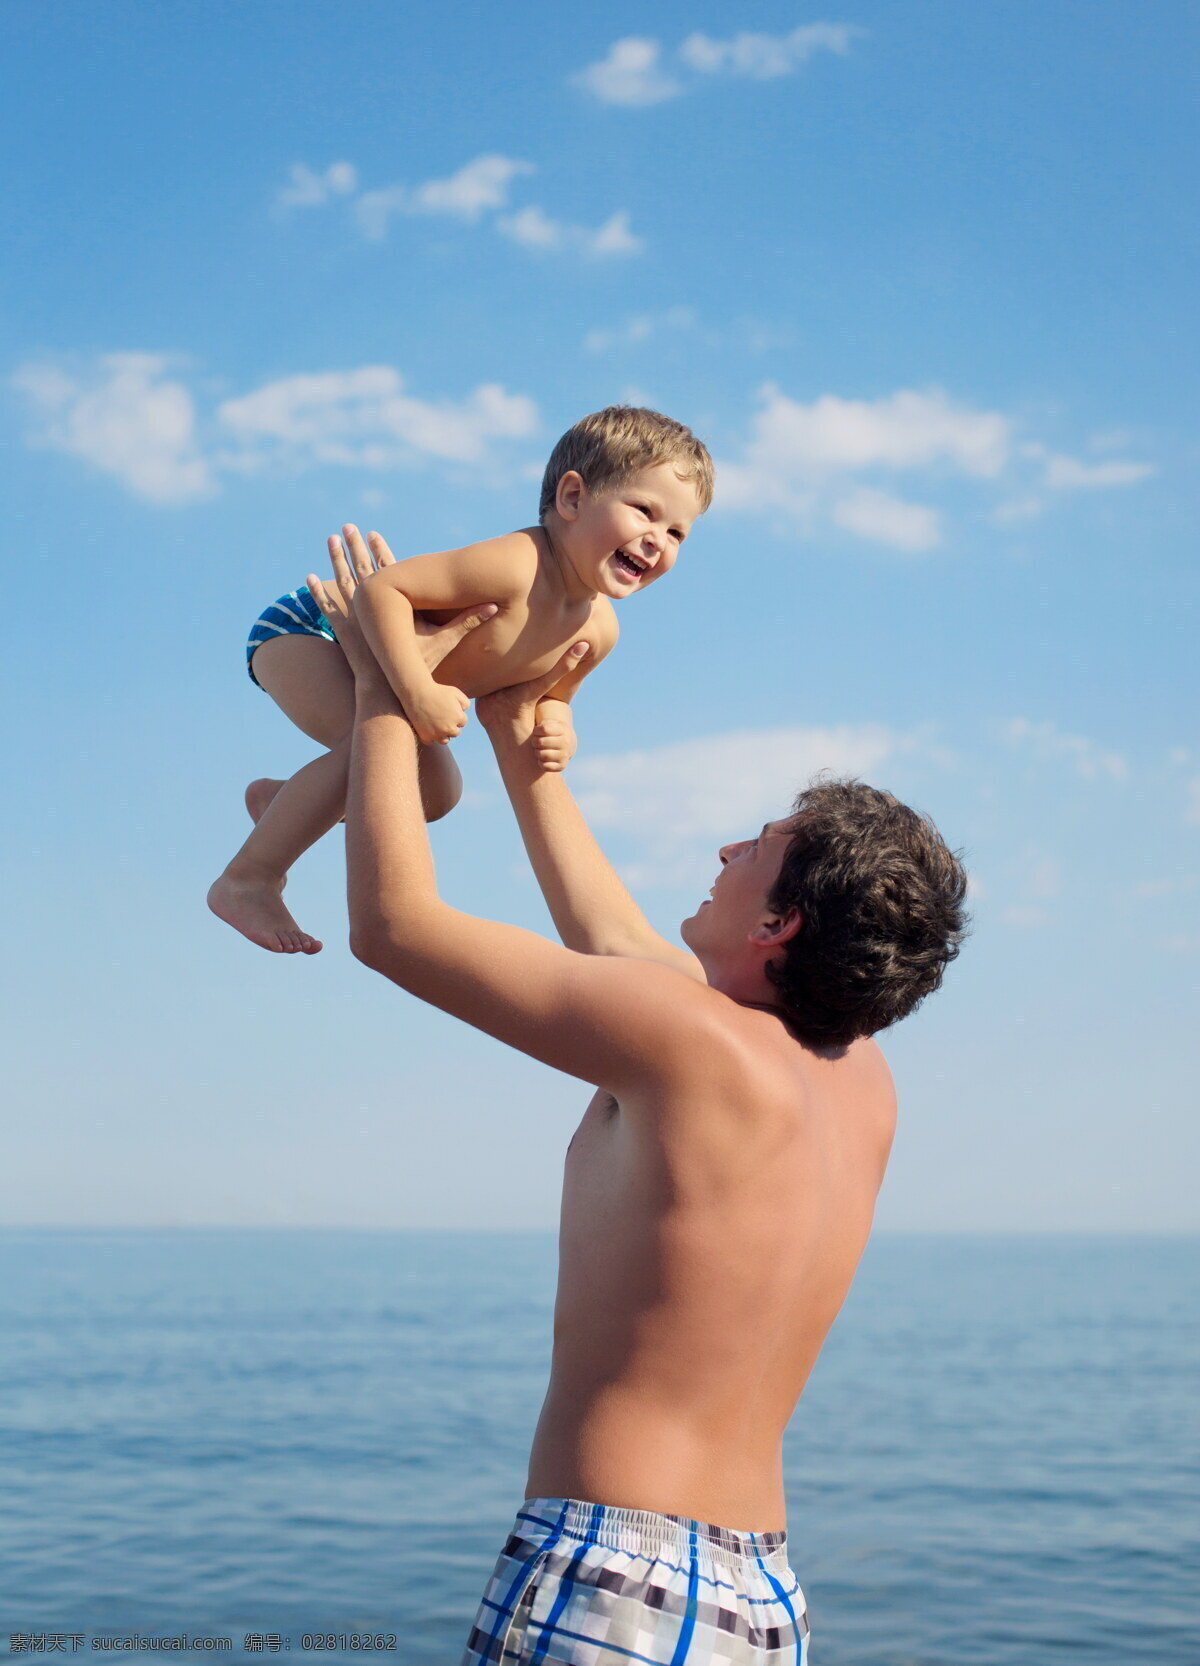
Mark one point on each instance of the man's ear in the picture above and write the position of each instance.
(777, 929)
(569, 496)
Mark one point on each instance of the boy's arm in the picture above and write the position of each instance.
(592, 910)
(494, 571)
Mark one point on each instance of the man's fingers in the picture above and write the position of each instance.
(383, 555)
(341, 567)
(542, 685)
(467, 620)
(319, 594)
(360, 555)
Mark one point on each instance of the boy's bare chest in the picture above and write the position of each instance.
(521, 642)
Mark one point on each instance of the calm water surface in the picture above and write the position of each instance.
(997, 1462)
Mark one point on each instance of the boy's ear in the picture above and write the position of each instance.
(777, 929)
(570, 495)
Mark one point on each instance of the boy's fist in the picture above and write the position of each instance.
(554, 741)
(439, 715)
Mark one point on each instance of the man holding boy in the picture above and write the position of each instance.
(719, 1191)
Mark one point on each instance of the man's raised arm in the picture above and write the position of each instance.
(591, 908)
(617, 1023)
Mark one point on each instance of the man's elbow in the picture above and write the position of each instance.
(373, 944)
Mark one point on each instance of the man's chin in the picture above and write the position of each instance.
(685, 924)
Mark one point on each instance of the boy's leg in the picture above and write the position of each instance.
(309, 679)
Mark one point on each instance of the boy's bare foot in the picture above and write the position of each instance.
(255, 908)
(259, 794)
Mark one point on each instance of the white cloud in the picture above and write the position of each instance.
(480, 185)
(680, 801)
(1192, 812)
(307, 189)
(374, 210)
(630, 74)
(1050, 745)
(1067, 473)
(903, 430)
(889, 520)
(765, 57)
(798, 454)
(126, 418)
(364, 417)
(638, 329)
(633, 73)
(533, 229)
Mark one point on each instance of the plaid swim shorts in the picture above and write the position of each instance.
(591, 1585)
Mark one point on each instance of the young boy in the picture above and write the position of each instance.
(619, 495)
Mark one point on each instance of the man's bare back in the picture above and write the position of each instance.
(708, 1241)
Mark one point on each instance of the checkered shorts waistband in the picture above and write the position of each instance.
(651, 1534)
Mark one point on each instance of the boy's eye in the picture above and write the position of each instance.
(642, 510)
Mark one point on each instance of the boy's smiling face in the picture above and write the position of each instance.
(623, 537)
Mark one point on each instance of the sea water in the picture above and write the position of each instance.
(292, 1436)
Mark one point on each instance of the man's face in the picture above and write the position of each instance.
(629, 533)
(738, 899)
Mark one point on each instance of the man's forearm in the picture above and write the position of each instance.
(391, 887)
(591, 908)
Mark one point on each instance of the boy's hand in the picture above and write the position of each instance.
(439, 714)
(554, 741)
(512, 713)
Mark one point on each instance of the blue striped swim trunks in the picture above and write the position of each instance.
(591, 1585)
(295, 614)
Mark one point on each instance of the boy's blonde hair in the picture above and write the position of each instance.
(614, 443)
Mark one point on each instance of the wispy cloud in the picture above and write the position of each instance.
(630, 74)
(534, 229)
(799, 455)
(306, 189)
(632, 332)
(679, 801)
(133, 420)
(126, 417)
(365, 418)
(1049, 744)
(889, 520)
(1067, 473)
(766, 57)
(478, 187)
(635, 72)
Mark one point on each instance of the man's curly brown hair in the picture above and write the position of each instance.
(880, 896)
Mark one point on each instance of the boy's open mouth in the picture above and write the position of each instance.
(630, 564)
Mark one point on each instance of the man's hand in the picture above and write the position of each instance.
(336, 601)
(554, 739)
(513, 712)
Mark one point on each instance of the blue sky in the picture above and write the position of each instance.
(923, 277)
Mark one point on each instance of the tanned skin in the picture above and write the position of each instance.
(720, 1188)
